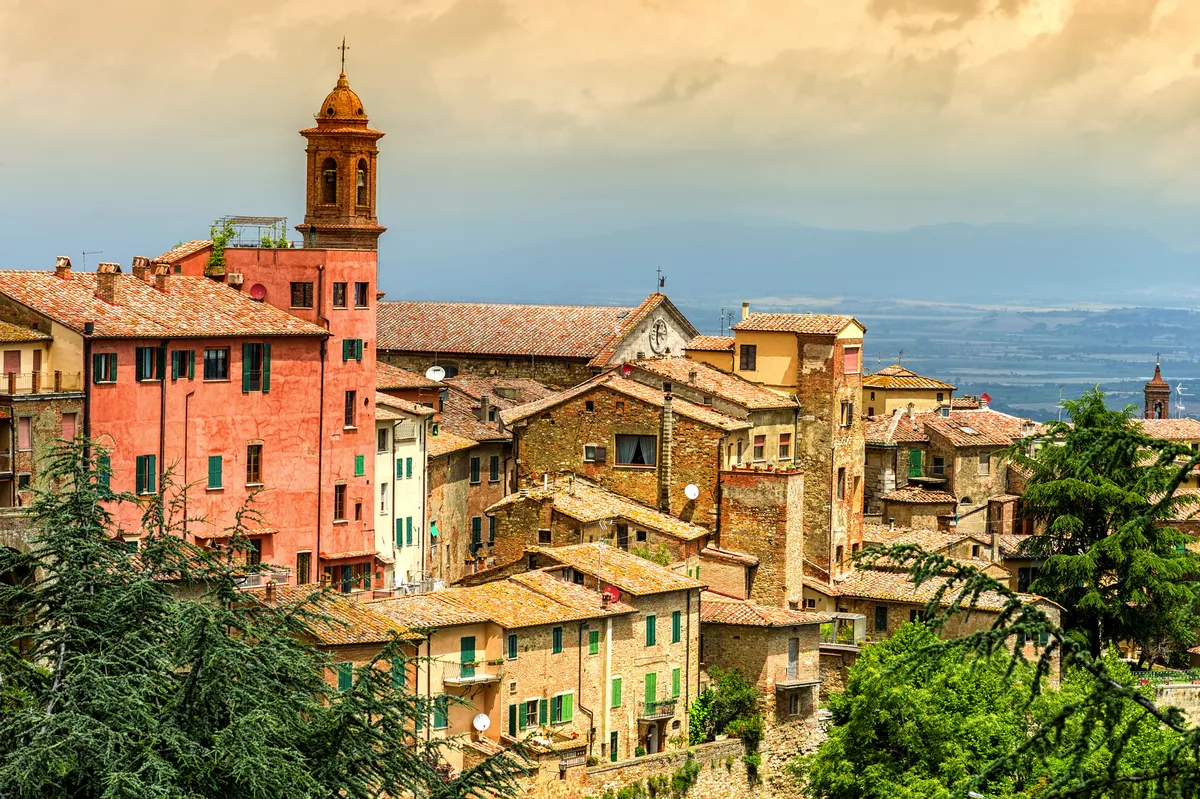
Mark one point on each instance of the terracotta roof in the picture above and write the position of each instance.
(718, 609)
(711, 344)
(965, 402)
(1011, 545)
(502, 392)
(819, 324)
(900, 427)
(588, 502)
(357, 553)
(181, 251)
(928, 540)
(535, 598)
(894, 586)
(446, 442)
(626, 571)
(982, 428)
(548, 331)
(459, 415)
(896, 376)
(919, 496)
(739, 391)
(428, 611)
(388, 377)
(349, 621)
(728, 555)
(384, 401)
(191, 307)
(630, 388)
(18, 334)
(1185, 430)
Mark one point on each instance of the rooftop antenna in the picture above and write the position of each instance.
(343, 48)
(1179, 403)
(900, 358)
(1060, 402)
(85, 254)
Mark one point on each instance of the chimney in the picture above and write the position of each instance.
(106, 283)
(269, 593)
(62, 267)
(692, 377)
(745, 309)
(141, 268)
(666, 441)
(162, 278)
(484, 406)
(995, 546)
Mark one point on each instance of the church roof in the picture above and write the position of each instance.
(1157, 381)
(342, 103)
(896, 376)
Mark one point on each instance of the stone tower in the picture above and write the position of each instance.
(1158, 396)
(342, 152)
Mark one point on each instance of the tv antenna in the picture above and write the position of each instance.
(85, 254)
(1179, 408)
(900, 358)
(1060, 402)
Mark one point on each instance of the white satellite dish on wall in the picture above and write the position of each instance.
(691, 491)
(435, 373)
(481, 722)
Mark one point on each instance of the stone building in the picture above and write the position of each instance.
(920, 507)
(895, 388)
(633, 439)
(557, 345)
(401, 432)
(896, 452)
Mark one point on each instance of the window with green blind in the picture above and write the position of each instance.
(651, 685)
(104, 472)
(256, 368)
(494, 468)
(512, 720)
(399, 532)
(676, 626)
(512, 646)
(345, 676)
(675, 679)
(556, 640)
(543, 712)
(491, 531)
(352, 349)
(104, 367)
(616, 692)
(147, 474)
(593, 642)
(408, 531)
(474, 470)
(399, 468)
(360, 465)
(651, 630)
(397, 670)
(408, 467)
(150, 363)
(183, 364)
(476, 533)
(441, 713)
(562, 709)
(214, 471)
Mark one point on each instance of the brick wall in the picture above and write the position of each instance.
(762, 515)
(918, 515)
(559, 372)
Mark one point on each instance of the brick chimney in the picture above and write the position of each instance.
(141, 268)
(107, 283)
(665, 439)
(162, 278)
(745, 309)
(484, 405)
(62, 267)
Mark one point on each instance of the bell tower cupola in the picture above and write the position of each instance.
(342, 155)
(1158, 396)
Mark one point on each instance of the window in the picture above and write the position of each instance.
(841, 482)
(975, 551)
(561, 708)
(216, 364)
(530, 717)
(360, 465)
(838, 554)
(147, 474)
(25, 433)
(619, 406)
(358, 511)
(345, 676)
(847, 414)
(149, 363)
(640, 535)
(615, 692)
(441, 713)
(512, 646)
(476, 533)
(302, 295)
(794, 705)
(104, 367)
(360, 181)
(1025, 576)
(475, 471)
(68, 426)
(914, 615)
(941, 397)
(254, 552)
(491, 531)
(810, 604)
(651, 630)
(623, 537)
(183, 364)
(748, 357)
(785, 446)
(676, 626)
(104, 473)
(256, 368)
(381, 439)
(985, 463)
(383, 497)
(339, 295)
(214, 472)
(850, 360)
(543, 536)
(254, 464)
(636, 450)
(360, 294)
(339, 503)
(939, 466)
(352, 349)
(351, 406)
(760, 447)
(881, 618)
(494, 469)
(593, 642)
(556, 646)
(329, 180)
(589, 453)
(303, 568)
(589, 406)
(408, 530)
(407, 468)
(676, 679)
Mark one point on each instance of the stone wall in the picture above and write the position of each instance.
(556, 372)
(1185, 696)
(762, 515)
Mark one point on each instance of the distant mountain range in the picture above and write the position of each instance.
(721, 262)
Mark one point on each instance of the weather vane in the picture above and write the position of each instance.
(343, 48)
(662, 280)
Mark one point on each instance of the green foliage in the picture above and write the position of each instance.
(661, 556)
(728, 705)
(660, 786)
(114, 685)
(1103, 494)
(221, 234)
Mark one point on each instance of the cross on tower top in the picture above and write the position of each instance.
(343, 48)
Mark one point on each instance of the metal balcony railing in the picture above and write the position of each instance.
(475, 673)
(792, 676)
(662, 709)
(846, 629)
(261, 578)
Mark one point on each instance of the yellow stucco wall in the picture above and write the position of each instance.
(776, 358)
(886, 401)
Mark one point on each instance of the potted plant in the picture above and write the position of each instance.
(496, 662)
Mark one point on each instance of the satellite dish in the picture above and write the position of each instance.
(435, 373)
(611, 593)
(626, 369)
(481, 722)
(691, 491)
(258, 291)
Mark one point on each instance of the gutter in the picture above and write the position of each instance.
(318, 572)
(579, 694)
(162, 429)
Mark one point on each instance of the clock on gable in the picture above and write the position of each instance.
(658, 336)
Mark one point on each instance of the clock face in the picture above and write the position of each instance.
(658, 337)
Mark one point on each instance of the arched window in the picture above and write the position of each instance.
(361, 177)
(1158, 414)
(329, 182)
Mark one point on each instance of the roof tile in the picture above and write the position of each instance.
(896, 376)
(719, 609)
(702, 377)
(711, 344)
(626, 571)
(807, 323)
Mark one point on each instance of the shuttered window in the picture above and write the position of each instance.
(512, 720)
(345, 676)
(512, 646)
(494, 468)
(651, 630)
(616, 692)
(651, 688)
(104, 473)
(408, 467)
(104, 367)
(441, 713)
(676, 626)
(214, 471)
(147, 474)
(150, 363)
(399, 468)
(748, 357)
(543, 712)
(556, 640)
(352, 349)
(675, 679)
(360, 465)
(593, 642)
(399, 532)
(491, 531)
(256, 368)
(183, 364)
(474, 470)
(408, 531)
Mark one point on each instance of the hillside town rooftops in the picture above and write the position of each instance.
(428, 611)
(897, 377)
(711, 344)
(702, 377)
(1182, 430)
(190, 307)
(818, 324)
(624, 570)
(609, 350)
(446, 442)
(928, 540)
(385, 402)
(501, 392)
(895, 586)
(338, 621)
(981, 428)
(393, 378)
(915, 495)
(900, 427)
(719, 609)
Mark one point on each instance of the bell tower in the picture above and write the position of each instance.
(342, 153)
(1158, 396)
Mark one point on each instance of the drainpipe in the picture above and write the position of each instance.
(162, 430)
(428, 677)
(720, 454)
(579, 694)
(796, 434)
(318, 572)
(187, 404)
(88, 329)
(607, 687)
(687, 661)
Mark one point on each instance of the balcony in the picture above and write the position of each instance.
(653, 711)
(20, 383)
(847, 631)
(258, 579)
(791, 677)
(478, 673)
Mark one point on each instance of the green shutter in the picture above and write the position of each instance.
(612, 747)
(512, 646)
(675, 682)
(140, 479)
(245, 368)
(96, 367)
(408, 467)
(568, 710)
(345, 676)
(593, 642)
(466, 654)
(556, 640)
(914, 463)
(175, 364)
(616, 691)
(543, 711)
(345, 349)
(214, 471)
(112, 362)
(675, 626)
(512, 720)
(104, 472)
(421, 720)
(408, 531)
(522, 717)
(399, 468)
(399, 532)
(651, 632)
(651, 688)
(152, 473)
(358, 349)
(360, 465)
(191, 358)
(266, 375)
(441, 707)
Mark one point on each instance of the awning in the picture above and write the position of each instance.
(365, 553)
(221, 534)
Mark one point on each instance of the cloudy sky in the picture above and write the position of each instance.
(131, 124)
